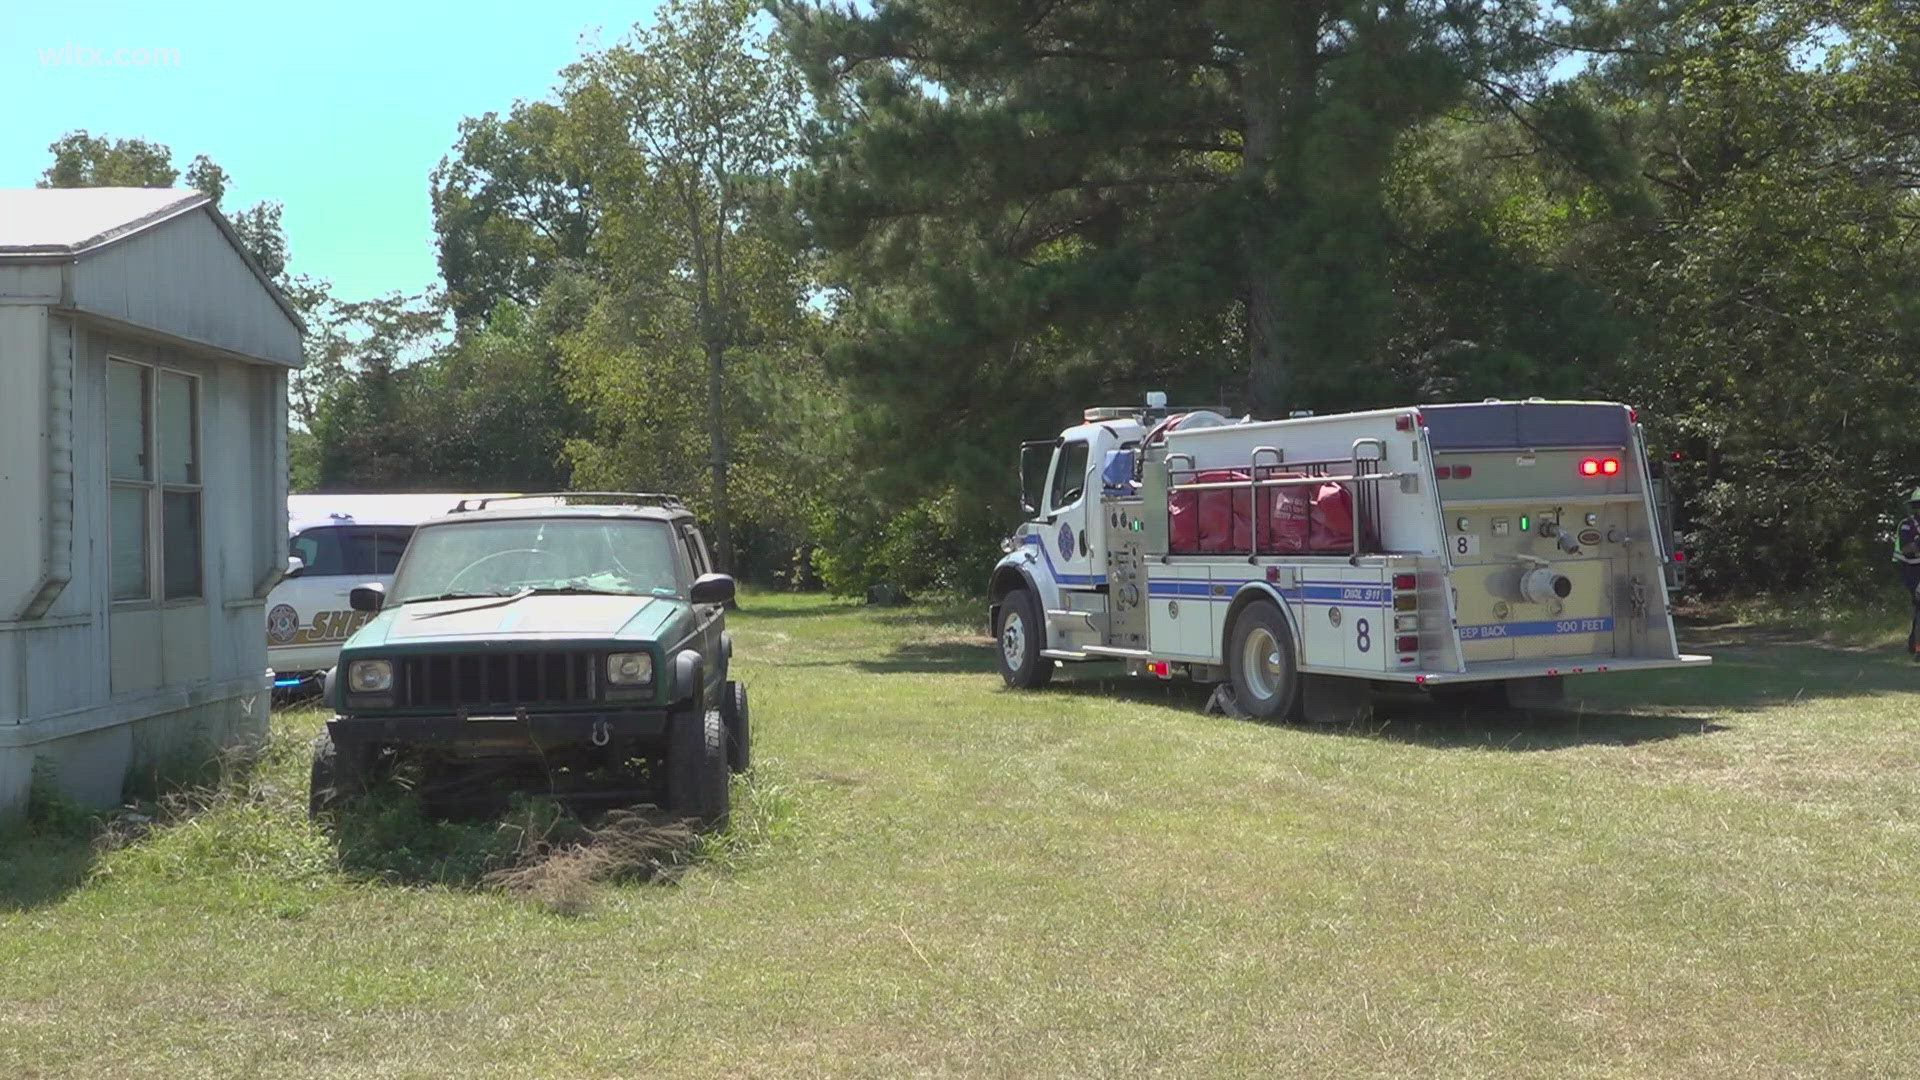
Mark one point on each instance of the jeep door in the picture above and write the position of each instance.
(710, 619)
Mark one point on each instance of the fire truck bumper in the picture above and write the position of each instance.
(1534, 669)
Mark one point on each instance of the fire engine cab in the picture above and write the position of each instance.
(1494, 547)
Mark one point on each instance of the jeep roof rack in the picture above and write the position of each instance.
(608, 498)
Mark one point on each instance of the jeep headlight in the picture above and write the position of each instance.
(629, 669)
(370, 676)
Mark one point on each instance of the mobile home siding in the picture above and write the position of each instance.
(96, 689)
(185, 279)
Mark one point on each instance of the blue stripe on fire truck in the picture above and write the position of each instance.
(1337, 593)
(1330, 593)
(1546, 628)
(1060, 578)
(1184, 588)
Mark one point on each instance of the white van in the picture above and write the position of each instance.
(336, 542)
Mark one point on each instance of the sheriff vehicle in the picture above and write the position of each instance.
(1492, 548)
(334, 543)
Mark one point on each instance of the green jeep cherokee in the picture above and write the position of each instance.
(573, 644)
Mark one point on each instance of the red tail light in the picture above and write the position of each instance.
(1590, 467)
(1443, 472)
(1407, 643)
(1610, 466)
(1461, 472)
(1404, 581)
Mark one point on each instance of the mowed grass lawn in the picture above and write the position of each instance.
(1700, 874)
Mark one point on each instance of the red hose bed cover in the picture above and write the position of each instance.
(1295, 519)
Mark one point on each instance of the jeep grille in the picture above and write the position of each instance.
(497, 682)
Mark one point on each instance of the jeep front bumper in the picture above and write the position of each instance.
(501, 734)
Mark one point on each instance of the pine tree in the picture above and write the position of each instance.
(1030, 199)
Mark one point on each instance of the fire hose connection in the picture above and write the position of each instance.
(1541, 585)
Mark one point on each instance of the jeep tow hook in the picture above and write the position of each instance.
(601, 733)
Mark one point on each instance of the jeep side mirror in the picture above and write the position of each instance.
(369, 597)
(712, 589)
(295, 566)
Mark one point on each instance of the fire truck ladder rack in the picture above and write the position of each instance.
(1362, 474)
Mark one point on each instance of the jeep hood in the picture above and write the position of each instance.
(541, 617)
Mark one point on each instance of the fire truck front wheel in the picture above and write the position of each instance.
(1019, 637)
(1261, 664)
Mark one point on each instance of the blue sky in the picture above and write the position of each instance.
(338, 110)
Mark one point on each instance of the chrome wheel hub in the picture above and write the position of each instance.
(1013, 640)
(1260, 663)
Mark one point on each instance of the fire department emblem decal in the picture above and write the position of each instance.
(1066, 540)
(282, 624)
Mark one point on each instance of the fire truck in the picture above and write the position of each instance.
(1481, 550)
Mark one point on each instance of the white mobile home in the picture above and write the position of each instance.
(143, 377)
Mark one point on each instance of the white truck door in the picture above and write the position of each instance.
(1064, 541)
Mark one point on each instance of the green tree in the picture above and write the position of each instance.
(82, 159)
(1038, 204)
(685, 130)
(358, 395)
(511, 208)
(1741, 178)
(493, 407)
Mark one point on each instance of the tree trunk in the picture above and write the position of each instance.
(1261, 97)
(1277, 87)
(717, 431)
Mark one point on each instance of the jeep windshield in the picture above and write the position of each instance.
(528, 555)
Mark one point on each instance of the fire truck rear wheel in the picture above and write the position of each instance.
(1261, 663)
(1018, 637)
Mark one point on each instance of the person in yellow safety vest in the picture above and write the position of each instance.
(1906, 552)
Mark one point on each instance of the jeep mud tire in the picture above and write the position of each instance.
(733, 710)
(336, 777)
(697, 776)
(1019, 633)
